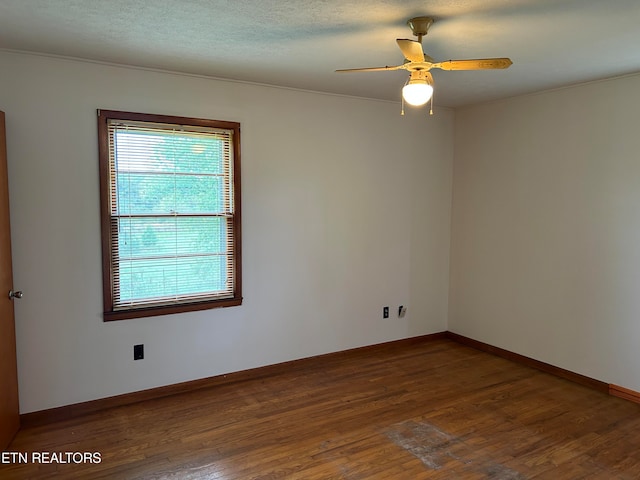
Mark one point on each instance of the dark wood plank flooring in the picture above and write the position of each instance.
(432, 410)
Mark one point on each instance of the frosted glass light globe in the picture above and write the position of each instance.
(417, 92)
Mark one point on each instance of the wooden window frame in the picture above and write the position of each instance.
(110, 314)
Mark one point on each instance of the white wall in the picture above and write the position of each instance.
(545, 254)
(346, 208)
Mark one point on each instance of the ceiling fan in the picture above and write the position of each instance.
(419, 87)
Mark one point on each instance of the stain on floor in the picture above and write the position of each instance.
(436, 449)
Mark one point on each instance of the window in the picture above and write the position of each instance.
(170, 208)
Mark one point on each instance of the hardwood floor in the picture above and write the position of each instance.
(432, 410)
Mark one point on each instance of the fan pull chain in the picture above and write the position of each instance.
(402, 97)
(431, 105)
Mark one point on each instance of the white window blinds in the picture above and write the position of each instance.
(171, 206)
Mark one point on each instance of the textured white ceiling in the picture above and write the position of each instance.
(300, 43)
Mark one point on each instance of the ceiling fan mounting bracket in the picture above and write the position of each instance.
(420, 26)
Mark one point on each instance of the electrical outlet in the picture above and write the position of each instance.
(385, 312)
(138, 352)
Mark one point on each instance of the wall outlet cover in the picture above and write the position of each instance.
(138, 352)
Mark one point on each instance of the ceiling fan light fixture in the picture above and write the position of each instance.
(417, 92)
(419, 89)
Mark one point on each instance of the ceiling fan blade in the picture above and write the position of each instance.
(411, 49)
(372, 69)
(476, 64)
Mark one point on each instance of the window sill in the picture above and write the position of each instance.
(169, 309)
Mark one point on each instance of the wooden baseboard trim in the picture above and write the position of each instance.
(530, 362)
(625, 393)
(68, 412)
